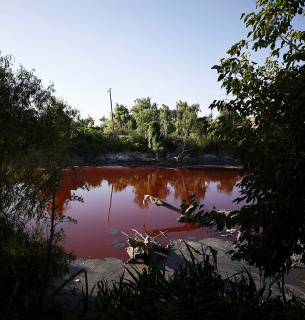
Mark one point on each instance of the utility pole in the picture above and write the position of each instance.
(111, 110)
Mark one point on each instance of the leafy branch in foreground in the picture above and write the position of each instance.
(272, 223)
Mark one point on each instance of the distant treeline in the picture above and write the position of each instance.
(144, 127)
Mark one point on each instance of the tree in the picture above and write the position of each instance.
(180, 109)
(166, 121)
(154, 137)
(55, 125)
(143, 112)
(186, 117)
(204, 125)
(272, 223)
(189, 119)
(35, 128)
(35, 132)
(121, 117)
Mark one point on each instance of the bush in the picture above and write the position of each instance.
(23, 265)
(170, 143)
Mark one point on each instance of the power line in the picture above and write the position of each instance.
(69, 90)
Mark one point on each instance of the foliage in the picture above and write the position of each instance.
(156, 124)
(154, 135)
(122, 118)
(143, 113)
(135, 143)
(273, 220)
(87, 139)
(146, 127)
(170, 143)
(35, 130)
(23, 264)
(166, 121)
(89, 142)
(31, 255)
(186, 117)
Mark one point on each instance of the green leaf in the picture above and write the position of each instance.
(221, 77)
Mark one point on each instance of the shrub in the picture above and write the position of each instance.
(23, 265)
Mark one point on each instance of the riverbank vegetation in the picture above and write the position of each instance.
(34, 142)
(146, 127)
(39, 131)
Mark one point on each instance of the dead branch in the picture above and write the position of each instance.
(159, 202)
(139, 248)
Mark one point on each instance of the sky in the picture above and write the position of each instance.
(162, 49)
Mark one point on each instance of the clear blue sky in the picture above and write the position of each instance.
(163, 49)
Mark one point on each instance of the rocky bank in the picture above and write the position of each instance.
(129, 158)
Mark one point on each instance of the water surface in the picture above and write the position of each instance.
(114, 203)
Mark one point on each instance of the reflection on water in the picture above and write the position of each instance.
(115, 202)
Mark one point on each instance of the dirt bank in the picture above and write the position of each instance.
(137, 159)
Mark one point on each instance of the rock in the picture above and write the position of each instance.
(210, 158)
(122, 157)
(111, 157)
(117, 243)
(143, 157)
(101, 159)
(114, 232)
(148, 158)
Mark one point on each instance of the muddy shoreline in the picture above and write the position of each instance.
(111, 269)
(146, 160)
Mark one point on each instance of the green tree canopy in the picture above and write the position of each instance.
(166, 121)
(121, 116)
(35, 129)
(144, 112)
(189, 119)
(186, 117)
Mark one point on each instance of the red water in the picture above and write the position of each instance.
(114, 203)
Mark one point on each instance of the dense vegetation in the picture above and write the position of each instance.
(145, 127)
(273, 221)
(34, 133)
(38, 133)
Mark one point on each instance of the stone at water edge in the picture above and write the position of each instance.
(117, 243)
(114, 232)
